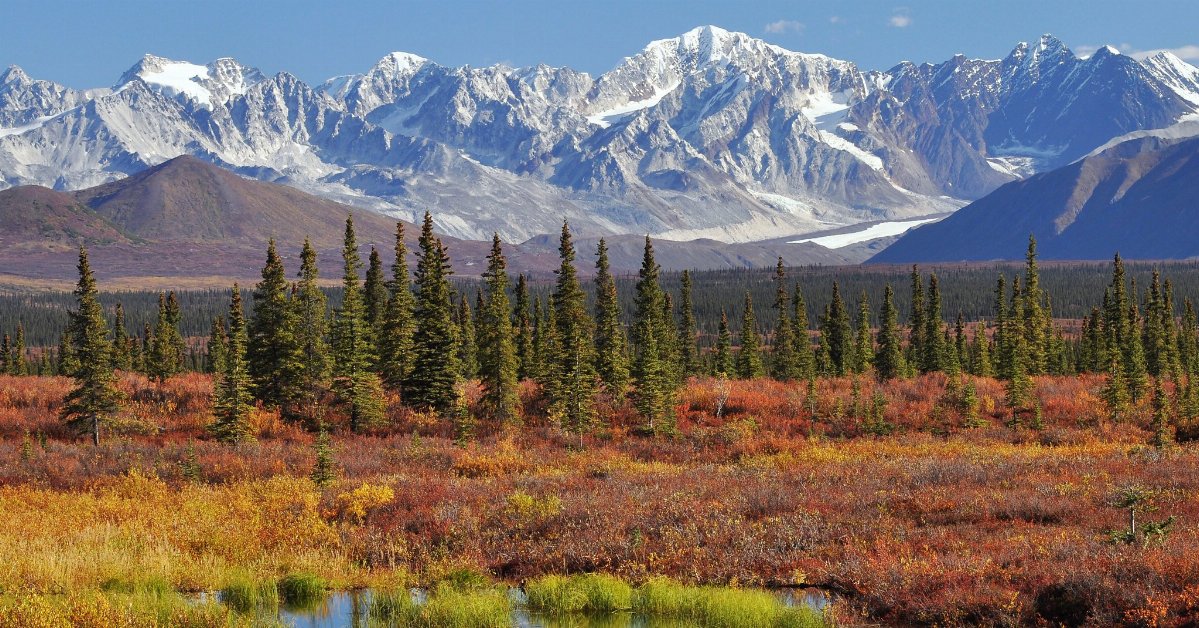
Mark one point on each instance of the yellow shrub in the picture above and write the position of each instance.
(355, 505)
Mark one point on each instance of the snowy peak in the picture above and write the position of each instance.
(1178, 75)
(14, 75)
(204, 85)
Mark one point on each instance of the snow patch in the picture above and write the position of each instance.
(180, 77)
(872, 232)
(605, 119)
(827, 109)
(845, 145)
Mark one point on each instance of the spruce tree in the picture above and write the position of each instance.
(688, 349)
(1115, 392)
(1019, 386)
(233, 399)
(217, 347)
(95, 396)
(302, 396)
(6, 355)
(165, 359)
(916, 332)
(933, 358)
(374, 297)
(1162, 424)
(1001, 359)
(981, 362)
(610, 362)
(1135, 369)
(524, 323)
(498, 364)
(836, 332)
(122, 358)
(782, 363)
(464, 336)
(749, 354)
(395, 341)
(1035, 319)
(888, 361)
(271, 349)
(433, 379)
(17, 363)
(863, 354)
(324, 470)
(805, 362)
(572, 363)
(654, 395)
(68, 361)
(723, 358)
(354, 381)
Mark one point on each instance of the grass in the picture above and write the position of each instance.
(586, 593)
(719, 607)
(103, 609)
(446, 607)
(245, 594)
(301, 590)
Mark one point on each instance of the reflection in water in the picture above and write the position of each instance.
(349, 609)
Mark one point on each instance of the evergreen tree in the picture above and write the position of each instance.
(217, 347)
(524, 330)
(1115, 309)
(122, 358)
(1002, 355)
(783, 362)
(302, 396)
(836, 332)
(433, 379)
(981, 362)
(1036, 322)
(6, 357)
(863, 340)
(1019, 386)
(375, 296)
(1188, 338)
(354, 382)
(610, 362)
(654, 396)
(916, 331)
(688, 349)
(960, 349)
(95, 396)
(805, 362)
(888, 361)
(271, 349)
(464, 335)
(68, 361)
(933, 358)
(395, 343)
(1162, 416)
(749, 355)
(723, 358)
(536, 361)
(498, 364)
(16, 361)
(324, 471)
(165, 359)
(1136, 372)
(571, 362)
(233, 400)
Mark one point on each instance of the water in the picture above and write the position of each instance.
(349, 609)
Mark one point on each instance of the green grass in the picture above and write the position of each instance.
(586, 593)
(447, 607)
(245, 594)
(718, 607)
(301, 590)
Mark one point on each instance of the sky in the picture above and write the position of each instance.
(90, 43)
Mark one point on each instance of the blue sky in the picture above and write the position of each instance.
(89, 43)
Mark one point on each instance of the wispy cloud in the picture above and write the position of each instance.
(836, 19)
(784, 26)
(900, 18)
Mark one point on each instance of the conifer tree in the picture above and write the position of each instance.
(395, 341)
(863, 340)
(433, 379)
(95, 396)
(524, 323)
(572, 363)
(783, 362)
(375, 296)
(669, 340)
(1035, 319)
(960, 349)
(6, 351)
(688, 349)
(654, 395)
(916, 324)
(271, 349)
(1116, 307)
(835, 331)
(165, 359)
(723, 357)
(498, 364)
(1002, 355)
(1019, 385)
(302, 396)
(324, 471)
(217, 347)
(122, 358)
(1162, 424)
(1115, 393)
(464, 335)
(354, 381)
(1188, 338)
(68, 361)
(933, 358)
(536, 362)
(888, 361)
(610, 362)
(805, 362)
(233, 400)
(981, 361)
(1135, 369)
(16, 361)
(749, 354)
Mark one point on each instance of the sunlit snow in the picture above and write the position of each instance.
(607, 118)
(879, 230)
(179, 76)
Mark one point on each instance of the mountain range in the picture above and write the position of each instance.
(709, 135)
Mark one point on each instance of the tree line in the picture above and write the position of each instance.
(415, 337)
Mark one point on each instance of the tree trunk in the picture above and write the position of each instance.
(96, 430)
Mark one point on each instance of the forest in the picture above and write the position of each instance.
(974, 445)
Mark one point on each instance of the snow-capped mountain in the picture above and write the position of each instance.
(711, 134)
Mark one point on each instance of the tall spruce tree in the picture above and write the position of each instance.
(723, 356)
(1036, 323)
(933, 358)
(165, 359)
(303, 395)
(271, 349)
(805, 362)
(395, 343)
(217, 347)
(464, 336)
(916, 323)
(688, 349)
(749, 354)
(783, 363)
(234, 399)
(17, 363)
(888, 360)
(95, 397)
(433, 379)
(571, 360)
(836, 331)
(863, 354)
(498, 364)
(654, 396)
(524, 323)
(374, 298)
(610, 362)
(354, 380)
(122, 357)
